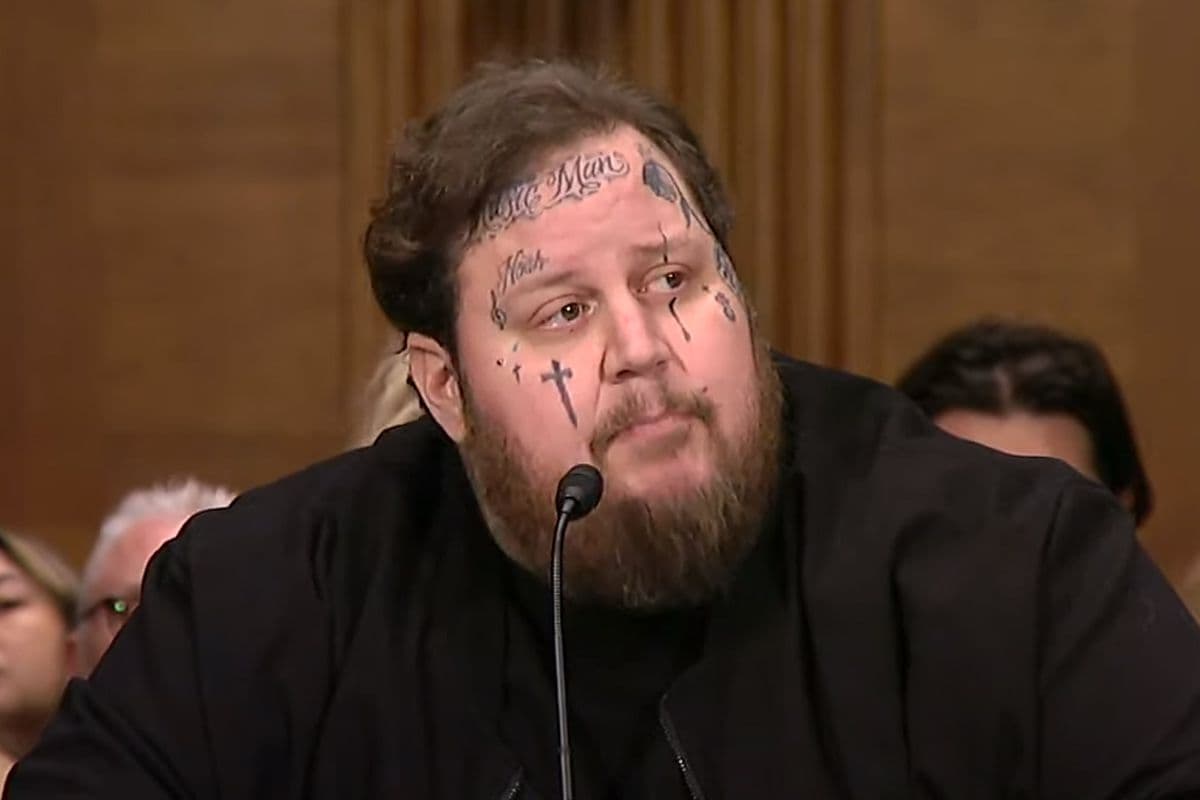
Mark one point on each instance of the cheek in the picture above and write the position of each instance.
(35, 641)
(538, 399)
(719, 360)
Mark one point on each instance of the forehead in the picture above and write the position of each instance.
(597, 195)
(8, 568)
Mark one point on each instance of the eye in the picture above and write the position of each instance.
(567, 314)
(665, 282)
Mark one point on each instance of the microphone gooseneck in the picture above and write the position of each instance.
(578, 493)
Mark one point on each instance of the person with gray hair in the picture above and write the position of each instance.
(141, 522)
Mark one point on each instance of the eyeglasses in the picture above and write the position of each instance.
(113, 611)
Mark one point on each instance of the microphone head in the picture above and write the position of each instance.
(583, 485)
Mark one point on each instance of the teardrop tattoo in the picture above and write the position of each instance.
(687, 337)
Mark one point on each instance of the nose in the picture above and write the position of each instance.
(636, 346)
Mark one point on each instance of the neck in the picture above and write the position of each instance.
(18, 736)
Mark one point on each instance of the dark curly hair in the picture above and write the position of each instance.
(995, 366)
(485, 138)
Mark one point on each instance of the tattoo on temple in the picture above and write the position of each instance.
(662, 183)
(726, 306)
(517, 372)
(575, 178)
(499, 318)
(687, 337)
(560, 376)
(726, 271)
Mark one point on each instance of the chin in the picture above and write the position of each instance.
(660, 478)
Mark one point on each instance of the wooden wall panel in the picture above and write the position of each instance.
(1006, 172)
(1039, 160)
(177, 254)
(1165, 370)
(50, 279)
(183, 287)
(215, 195)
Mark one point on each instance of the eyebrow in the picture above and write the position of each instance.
(648, 249)
(654, 247)
(544, 280)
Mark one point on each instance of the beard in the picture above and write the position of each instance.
(647, 553)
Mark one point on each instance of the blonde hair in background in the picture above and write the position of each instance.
(45, 567)
(389, 399)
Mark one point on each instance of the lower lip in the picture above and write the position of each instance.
(662, 426)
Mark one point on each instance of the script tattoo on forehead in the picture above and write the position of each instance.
(662, 183)
(560, 376)
(574, 178)
(515, 267)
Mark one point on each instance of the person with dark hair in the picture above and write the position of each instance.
(1032, 391)
(793, 584)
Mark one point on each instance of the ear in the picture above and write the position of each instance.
(433, 374)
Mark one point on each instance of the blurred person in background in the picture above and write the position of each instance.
(389, 399)
(1030, 390)
(37, 599)
(141, 522)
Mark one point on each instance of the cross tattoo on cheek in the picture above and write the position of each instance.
(560, 376)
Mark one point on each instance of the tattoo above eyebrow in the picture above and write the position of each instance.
(517, 266)
(575, 178)
(517, 372)
(665, 256)
(499, 317)
(560, 376)
(662, 183)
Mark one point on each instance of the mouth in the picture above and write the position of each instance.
(656, 426)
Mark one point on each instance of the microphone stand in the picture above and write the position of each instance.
(578, 493)
(560, 673)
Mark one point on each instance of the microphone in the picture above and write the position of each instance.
(578, 493)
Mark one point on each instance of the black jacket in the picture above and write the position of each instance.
(949, 622)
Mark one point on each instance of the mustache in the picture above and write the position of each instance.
(636, 405)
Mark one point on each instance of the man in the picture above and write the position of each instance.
(1032, 391)
(136, 528)
(794, 585)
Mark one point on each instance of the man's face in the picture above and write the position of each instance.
(116, 576)
(600, 321)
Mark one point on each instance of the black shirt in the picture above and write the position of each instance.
(618, 666)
